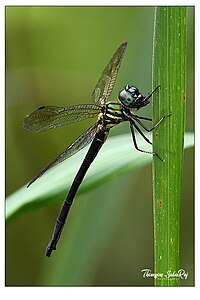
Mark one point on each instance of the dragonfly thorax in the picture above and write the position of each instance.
(112, 114)
(130, 96)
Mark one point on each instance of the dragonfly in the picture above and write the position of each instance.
(108, 114)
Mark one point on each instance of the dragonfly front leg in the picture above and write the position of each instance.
(139, 117)
(150, 129)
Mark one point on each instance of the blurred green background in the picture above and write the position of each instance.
(55, 55)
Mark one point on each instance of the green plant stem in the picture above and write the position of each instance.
(169, 65)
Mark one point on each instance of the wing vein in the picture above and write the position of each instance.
(83, 140)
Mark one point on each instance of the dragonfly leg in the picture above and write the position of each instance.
(139, 117)
(132, 125)
(150, 129)
(141, 133)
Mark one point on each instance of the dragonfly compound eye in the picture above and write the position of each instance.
(128, 96)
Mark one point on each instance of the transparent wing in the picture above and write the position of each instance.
(82, 141)
(106, 83)
(47, 117)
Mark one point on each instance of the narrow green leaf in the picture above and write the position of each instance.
(169, 70)
(115, 158)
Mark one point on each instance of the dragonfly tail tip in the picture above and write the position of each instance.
(51, 246)
(48, 251)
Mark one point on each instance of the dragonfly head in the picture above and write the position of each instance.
(131, 97)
